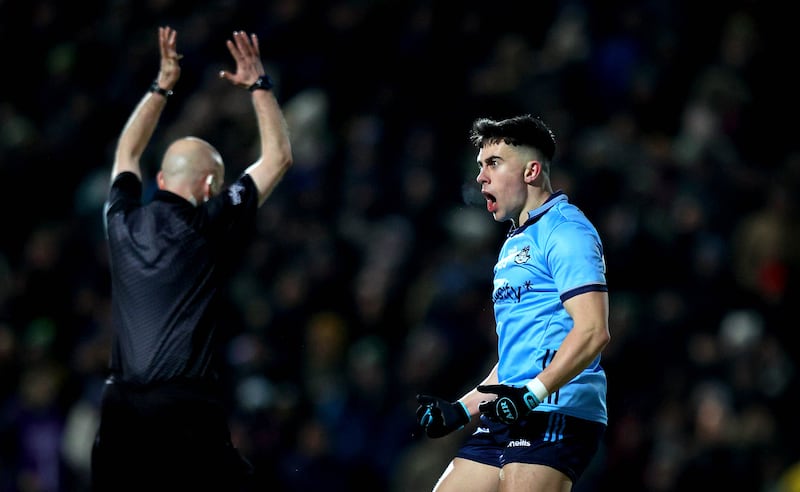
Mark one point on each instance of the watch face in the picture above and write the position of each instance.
(263, 82)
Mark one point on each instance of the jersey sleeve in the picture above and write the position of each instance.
(232, 213)
(575, 257)
(125, 194)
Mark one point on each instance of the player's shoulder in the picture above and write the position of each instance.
(566, 214)
(569, 225)
(568, 211)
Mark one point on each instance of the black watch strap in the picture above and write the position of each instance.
(158, 90)
(264, 82)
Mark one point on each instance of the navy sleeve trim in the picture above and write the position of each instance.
(582, 290)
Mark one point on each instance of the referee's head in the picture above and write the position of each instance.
(193, 169)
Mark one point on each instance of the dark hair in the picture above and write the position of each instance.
(525, 130)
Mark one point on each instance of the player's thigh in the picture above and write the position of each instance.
(462, 474)
(533, 478)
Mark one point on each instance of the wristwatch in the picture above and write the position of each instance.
(154, 87)
(264, 82)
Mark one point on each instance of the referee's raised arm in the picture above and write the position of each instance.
(276, 151)
(142, 122)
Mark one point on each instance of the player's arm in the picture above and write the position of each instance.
(142, 122)
(585, 341)
(276, 152)
(576, 259)
(587, 338)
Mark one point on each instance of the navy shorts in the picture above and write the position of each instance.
(559, 441)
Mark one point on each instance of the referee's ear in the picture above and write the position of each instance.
(208, 188)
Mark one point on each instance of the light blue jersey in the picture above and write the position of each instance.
(557, 254)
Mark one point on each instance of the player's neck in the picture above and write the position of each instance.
(536, 200)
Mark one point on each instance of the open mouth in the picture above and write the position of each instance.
(491, 201)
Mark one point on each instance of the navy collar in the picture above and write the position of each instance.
(537, 213)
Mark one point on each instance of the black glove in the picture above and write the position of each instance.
(511, 403)
(440, 417)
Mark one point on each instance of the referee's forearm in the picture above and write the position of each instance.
(137, 133)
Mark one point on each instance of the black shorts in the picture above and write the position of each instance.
(559, 441)
(170, 437)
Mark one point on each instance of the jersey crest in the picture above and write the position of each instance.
(523, 256)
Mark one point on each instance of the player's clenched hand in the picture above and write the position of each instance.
(440, 417)
(511, 403)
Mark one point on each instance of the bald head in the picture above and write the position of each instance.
(192, 168)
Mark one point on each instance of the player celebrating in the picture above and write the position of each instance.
(543, 405)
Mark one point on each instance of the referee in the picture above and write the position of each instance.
(163, 425)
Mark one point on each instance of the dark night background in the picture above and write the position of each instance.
(369, 278)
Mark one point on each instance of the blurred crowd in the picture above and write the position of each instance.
(370, 278)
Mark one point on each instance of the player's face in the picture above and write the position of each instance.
(501, 176)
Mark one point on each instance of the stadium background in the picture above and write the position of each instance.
(369, 280)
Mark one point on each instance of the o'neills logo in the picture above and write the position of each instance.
(519, 443)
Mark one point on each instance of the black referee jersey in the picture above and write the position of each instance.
(167, 258)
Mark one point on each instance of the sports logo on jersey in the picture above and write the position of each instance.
(523, 256)
(235, 192)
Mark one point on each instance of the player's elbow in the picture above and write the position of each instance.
(601, 337)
